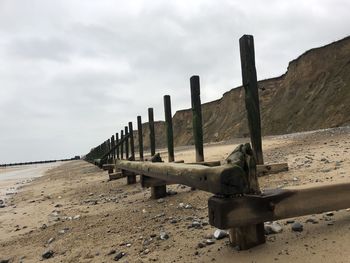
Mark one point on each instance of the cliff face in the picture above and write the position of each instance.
(314, 93)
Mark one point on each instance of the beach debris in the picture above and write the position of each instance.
(48, 254)
(220, 234)
(272, 228)
(297, 227)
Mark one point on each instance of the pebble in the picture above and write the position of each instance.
(272, 228)
(297, 227)
(50, 240)
(119, 256)
(47, 254)
(76, 217)
(210, 241)
(163, 235)
(196, 224)
(220, 234)
(200, 245)
(330, 214)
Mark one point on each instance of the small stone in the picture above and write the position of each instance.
(290, 221)
(209, 241)
(119, 256)
(196, 224)
(330, 214)
(173, 221)
(200, 245)
(297, 227)
(163, 235)
(272, 228)
(146, 251)
(76, 217)
(47, 254)
(188, 207)
(220, 234)
(44, 226)
(50, 240)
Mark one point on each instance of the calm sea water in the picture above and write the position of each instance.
(13, 177)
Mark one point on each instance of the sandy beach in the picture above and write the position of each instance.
(75, 212)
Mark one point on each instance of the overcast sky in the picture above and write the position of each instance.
(72, 73)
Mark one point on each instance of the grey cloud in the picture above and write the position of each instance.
(74, 72)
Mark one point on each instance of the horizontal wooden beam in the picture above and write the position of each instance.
(263, 169)
(277, 204)
(226, 179)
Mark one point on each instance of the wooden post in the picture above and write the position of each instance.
(121, 146)
(169, 128)
(131, 177)
(250, 84)
(248, 236)
(126, 143)
(108, 148)
(116, 141)
(139, 133)
(132, 145)
(112, 145)
(156, 191)
(197, 118)
(151, 131)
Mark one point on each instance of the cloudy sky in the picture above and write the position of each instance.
(74, 72)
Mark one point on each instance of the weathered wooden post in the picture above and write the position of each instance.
(152, 138)
(139, 133)
(121, 145)
(117, 141)
(159, 190)
(169, 128)
(197, 118)
(112, 145)
(250, 84)
(132, 145)
(131, 177)
(126, 133)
